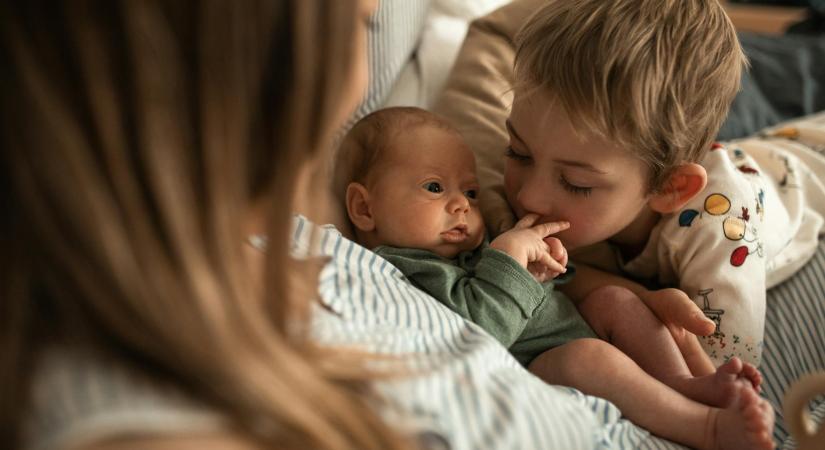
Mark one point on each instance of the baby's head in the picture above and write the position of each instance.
(612, 99)
(408, 179)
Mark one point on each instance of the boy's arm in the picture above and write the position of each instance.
(672, 306)
(726, 278)
(498, 294)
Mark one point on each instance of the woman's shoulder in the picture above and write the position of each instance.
(80, 399)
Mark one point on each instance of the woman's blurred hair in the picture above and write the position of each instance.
(136, 137)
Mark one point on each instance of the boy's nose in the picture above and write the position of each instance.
(535, 195)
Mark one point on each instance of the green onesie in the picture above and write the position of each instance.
(490, 288)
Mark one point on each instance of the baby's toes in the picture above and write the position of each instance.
(751, 373)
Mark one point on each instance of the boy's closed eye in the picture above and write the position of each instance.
(573, 188)
(515, 156)
(569, 186)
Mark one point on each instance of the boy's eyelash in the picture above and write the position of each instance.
(569, 187)
(510, 153)
(573, 189)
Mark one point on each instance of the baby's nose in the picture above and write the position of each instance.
(459, 203)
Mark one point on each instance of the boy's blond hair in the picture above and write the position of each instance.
(372, 138)
(656, 76)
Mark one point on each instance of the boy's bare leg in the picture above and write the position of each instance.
(697, 360)
(597, 368)
(618, 316)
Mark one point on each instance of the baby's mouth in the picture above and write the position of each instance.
(456, 234)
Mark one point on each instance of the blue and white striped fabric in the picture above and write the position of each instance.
(795, 338)
(471, 394)
(469, 391)
(395, 30)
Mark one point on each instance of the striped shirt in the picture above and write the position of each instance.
(467, 391)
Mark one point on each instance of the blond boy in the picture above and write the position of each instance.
(616, 107)
(409, 186)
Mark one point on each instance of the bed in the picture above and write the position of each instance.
(413, 45)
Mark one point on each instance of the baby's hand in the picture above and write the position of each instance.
(531, 245)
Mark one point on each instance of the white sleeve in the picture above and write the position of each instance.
(721, 265)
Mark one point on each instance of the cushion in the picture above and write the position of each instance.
(393, 37)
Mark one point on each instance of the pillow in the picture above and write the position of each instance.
(783, 82)
(393, 37)
(424, 76)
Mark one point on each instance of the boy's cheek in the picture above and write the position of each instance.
(511, 190)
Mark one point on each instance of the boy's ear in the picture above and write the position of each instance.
(683, 184)
(358, 207)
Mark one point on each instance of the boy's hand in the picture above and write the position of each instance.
(675, 309)
(532, 246)
(684, 320)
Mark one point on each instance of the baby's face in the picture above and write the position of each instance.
(424, 193)
(551, 171)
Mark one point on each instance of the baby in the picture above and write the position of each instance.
(408, 182)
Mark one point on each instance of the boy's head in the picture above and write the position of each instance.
(408, 179)
(614, 99)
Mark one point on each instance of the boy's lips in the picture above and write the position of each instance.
(456, 234)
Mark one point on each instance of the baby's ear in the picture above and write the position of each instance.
(358, 207)
(684, 183)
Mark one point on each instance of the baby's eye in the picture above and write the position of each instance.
(434, 187)
(471, 194)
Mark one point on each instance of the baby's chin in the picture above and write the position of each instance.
(451, 250)
(448, 251)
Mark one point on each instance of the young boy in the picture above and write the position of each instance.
(615, 110)
(409, 186)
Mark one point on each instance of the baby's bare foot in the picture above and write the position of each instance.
(746, 424)
(718, 389)
(752, 375)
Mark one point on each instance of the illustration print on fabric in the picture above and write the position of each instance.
(741, 162)
(718, 344)
(734, 227)
(789, 180)
(792, 133)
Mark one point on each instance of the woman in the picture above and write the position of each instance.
(141, 143)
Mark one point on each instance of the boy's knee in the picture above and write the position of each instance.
(611, 299)
(590, 349)
(575, 359)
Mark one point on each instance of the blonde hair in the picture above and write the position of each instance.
(372, 138)
(655, 76)
(136, 137)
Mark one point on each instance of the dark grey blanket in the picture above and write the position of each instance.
(786, 80)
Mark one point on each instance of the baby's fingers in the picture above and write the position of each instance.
(538, 271)
(526, 222)
(551, 264)
(557, 250)
(548, 228)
